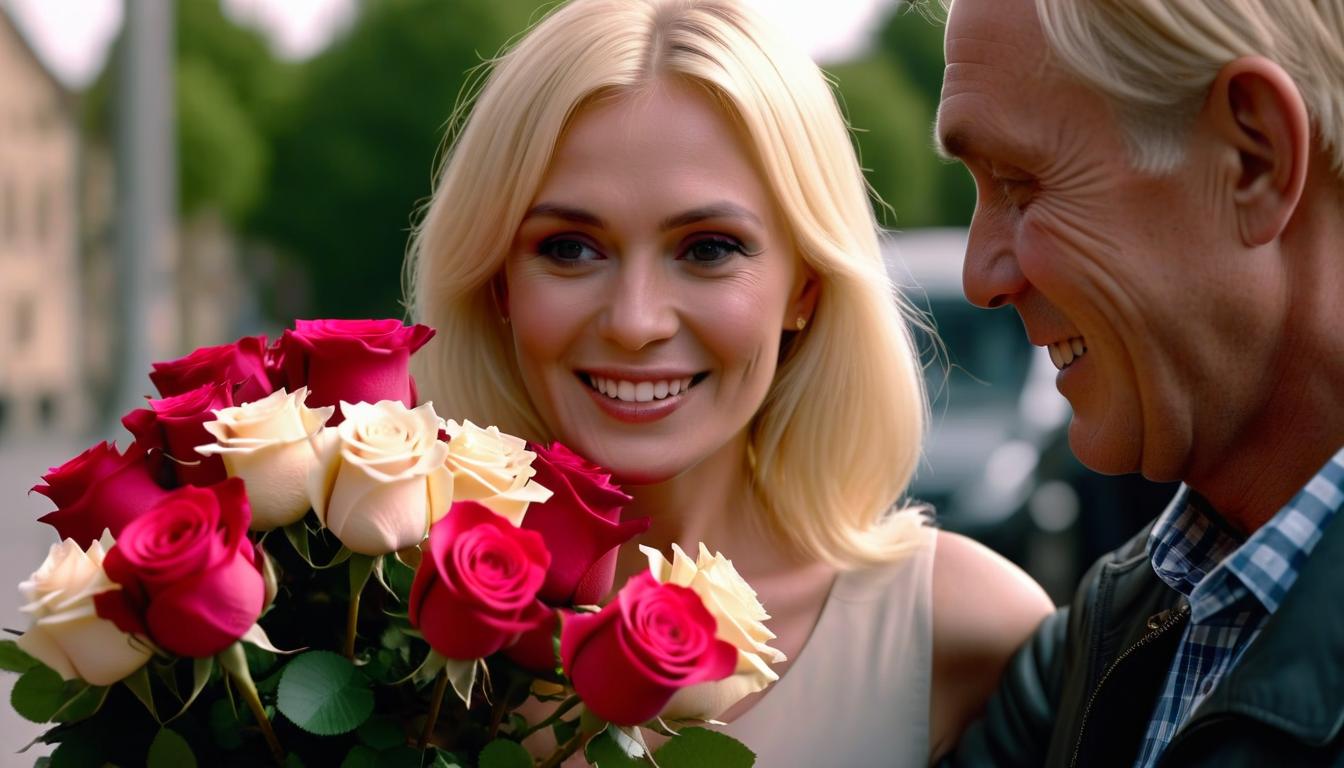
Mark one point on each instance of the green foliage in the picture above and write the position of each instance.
(694, 747)
(170, 750)
(502, 753)
(324, 694)
(15, 659)
(41, 696)
(604, 750)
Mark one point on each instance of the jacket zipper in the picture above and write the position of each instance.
(1175, 618)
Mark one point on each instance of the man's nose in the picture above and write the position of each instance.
(641, 309)
(991, 275)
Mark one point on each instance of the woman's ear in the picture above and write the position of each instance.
(804, 302)
(499, 291)
(1257, 109)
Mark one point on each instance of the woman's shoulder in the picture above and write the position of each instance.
(984, 607)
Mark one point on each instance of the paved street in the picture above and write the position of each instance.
(23, 546)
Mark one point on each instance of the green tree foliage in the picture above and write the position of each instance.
(353, 154)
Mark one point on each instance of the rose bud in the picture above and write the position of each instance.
(242, 362)
(174, 427)
(739, 619)
(67, 634)
(581, 524)
(380, 480)
(475, 591)
(189, 575)
(99, 489)
(627, 661)
(493, 468)
(269, 444)
(353, 361)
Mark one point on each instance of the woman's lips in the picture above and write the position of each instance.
(639, 402)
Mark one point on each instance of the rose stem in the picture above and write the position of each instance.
(351, 622)
(560, 711)
(435, 703)
(568, 748)
(249, 693)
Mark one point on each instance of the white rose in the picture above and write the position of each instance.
(67, 633)
(494, 469)
(380, 479)
(739, 618)
(269, 444)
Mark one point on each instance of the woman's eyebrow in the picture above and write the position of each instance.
(719, 210)
(576, 215)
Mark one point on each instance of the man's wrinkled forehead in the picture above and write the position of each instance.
(997, 61)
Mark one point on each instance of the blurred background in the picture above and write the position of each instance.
(179, 174)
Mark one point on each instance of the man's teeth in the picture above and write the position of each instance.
(1063, 353)
(641, 391)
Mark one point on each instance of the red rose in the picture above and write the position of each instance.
(191, 581)
(100, 488)
(627, 661)
(358, 361)
(581, 524)
(174, 427)
(475, 591)
(242, 363)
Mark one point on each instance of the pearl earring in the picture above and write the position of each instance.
(800, 323)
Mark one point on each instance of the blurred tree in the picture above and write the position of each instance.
(912, 41)
(226, 84)
(354, 153)
(890, 122)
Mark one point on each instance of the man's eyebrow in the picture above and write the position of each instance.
(576, 215)
(719, 210)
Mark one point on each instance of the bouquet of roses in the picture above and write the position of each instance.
(293, 561)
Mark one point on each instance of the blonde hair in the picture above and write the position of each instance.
(1155, 60)
(839, 434)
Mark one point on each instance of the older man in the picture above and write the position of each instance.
(1161, 199)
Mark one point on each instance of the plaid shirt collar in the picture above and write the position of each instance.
(1198, 555)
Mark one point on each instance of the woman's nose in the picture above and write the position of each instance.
(640, 309)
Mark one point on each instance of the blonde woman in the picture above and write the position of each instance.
(651, 240)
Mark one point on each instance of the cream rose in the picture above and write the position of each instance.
(67, 634)
(269, 444)
(492, 468)
(740, 620)
(380, 479)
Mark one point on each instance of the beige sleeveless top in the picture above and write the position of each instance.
(858, 693)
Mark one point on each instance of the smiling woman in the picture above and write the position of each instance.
(651, 240)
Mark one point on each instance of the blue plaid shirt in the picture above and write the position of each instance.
(1233, 585)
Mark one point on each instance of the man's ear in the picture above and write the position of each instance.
(1256, 107)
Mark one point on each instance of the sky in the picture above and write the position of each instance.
(73, 36)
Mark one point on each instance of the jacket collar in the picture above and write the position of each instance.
(1292, 675)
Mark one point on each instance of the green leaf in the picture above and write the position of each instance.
(603, 750)
(170, 750)
(224, 725)
(564, 730)
(382, 733)
(138, 682)
(399, 576)
(694, 747)
(361, 567)
(77, 753)
(83, 701)
(201, 669)
(360, 757)
(38, 694)
(297, 533)
(446, 760)
(502, 753)
(324, 694)
(15, 659)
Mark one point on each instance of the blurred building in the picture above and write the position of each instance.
(41, 373)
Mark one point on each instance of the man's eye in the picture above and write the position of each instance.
(567, 250)
(712, 250)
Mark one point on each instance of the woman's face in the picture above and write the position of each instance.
(649, 283)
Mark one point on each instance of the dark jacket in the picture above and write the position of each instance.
(1082, 690)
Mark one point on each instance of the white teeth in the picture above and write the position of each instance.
(641, 391)
(1063, 353)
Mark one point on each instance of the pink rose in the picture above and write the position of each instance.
(627, 661)
(175, 427)
(356, 361)
(581, 524)
(475, 591)
(191, 579)
(100, 488)
(242, 363)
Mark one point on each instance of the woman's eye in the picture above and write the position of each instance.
(712, 251)
(568, 250)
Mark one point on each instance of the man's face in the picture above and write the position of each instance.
(1144, 274)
